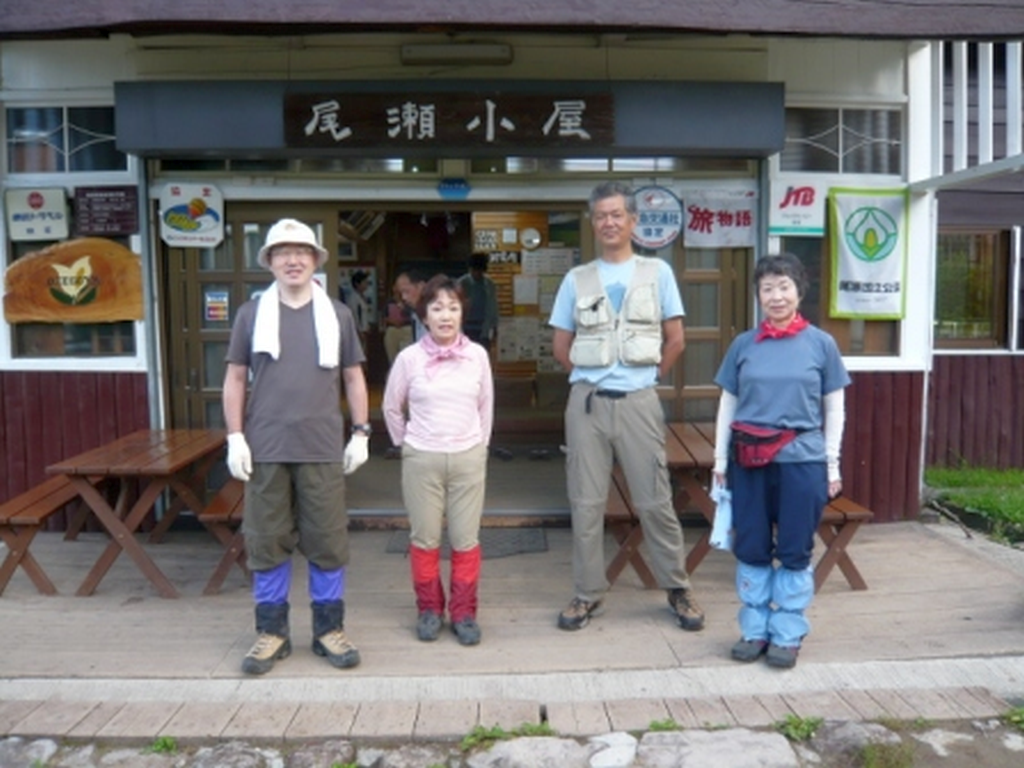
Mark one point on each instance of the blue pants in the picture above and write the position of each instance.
(776, 510)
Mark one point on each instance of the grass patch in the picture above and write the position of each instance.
(163, 745)
(484, 738)
(1015, 718)
(996, 495)
(668, 724)
(887, 756)
(798, 728)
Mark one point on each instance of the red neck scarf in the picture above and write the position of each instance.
(769, 331)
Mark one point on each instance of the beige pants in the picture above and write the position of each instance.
(396, 339)
(435, 485)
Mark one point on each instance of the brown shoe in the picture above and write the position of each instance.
(265, 651)
(337, 648)
(578, 614)
(688, 611)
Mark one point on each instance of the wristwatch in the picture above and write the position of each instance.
(366, 429)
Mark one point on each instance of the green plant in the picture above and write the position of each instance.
(481, 737)
(1015, 718)
(345, 765)
(163, 745)
(887, 756)
(797, 728)
(664, 725)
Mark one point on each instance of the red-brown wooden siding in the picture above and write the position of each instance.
(46, 416)
(976, 411)
(881, 456)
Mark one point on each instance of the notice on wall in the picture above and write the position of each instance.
(36, 214)
(191, 215)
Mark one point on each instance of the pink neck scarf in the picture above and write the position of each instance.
(436, 354)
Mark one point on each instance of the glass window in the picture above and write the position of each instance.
(844, 141)
(62, 139)
(971, 283)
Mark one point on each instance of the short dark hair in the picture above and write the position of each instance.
(608, 189)
(414, 275)
(437, 284)
(783, 265)
(479, 261)
(358, 278)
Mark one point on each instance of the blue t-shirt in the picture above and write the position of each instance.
(616, 277)
(782, 383)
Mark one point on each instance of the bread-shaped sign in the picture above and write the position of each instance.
(89, 280)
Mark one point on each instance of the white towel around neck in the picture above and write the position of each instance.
(266, 336)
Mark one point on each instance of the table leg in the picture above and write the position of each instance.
(629, 552)
(122, 538)
(18, 542)
(187, 495)
(836, 538)
(693, 494)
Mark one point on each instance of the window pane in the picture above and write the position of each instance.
(812, 140)
(35, 140)
(701, 303)
(871, 141)
(971, 270)
(67, 340)
(91, 140)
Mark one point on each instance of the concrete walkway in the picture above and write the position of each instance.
(939, 636)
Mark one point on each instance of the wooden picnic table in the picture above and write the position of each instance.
(154, 461)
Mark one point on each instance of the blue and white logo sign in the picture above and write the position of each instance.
(660, 219)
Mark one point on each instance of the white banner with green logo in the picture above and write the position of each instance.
(869, 253)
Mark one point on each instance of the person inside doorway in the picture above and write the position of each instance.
(481, 323)
(786, 380)
(357, 302)
(397, 326)
(285, 442)
(618, 327)
(439, 408)
(409, 285)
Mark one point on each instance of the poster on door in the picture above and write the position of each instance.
(721, 219)
(191, 215)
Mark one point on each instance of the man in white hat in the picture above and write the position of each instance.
(286, 442)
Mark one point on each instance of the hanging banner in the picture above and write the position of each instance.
(191, 215)
(721, 219)
(797, 210)
(869, 253)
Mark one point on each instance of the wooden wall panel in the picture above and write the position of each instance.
(976, 411)
(46, 416)
(881, 443)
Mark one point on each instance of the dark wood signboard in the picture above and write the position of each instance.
(426, 120)
(106, 211)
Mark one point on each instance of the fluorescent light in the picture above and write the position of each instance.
(416, 54)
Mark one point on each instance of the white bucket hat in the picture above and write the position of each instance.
(290, 231)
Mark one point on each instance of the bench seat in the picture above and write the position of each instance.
(21, 518)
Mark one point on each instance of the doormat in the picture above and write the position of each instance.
(494, 542)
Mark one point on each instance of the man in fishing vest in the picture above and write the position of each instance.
(618, 327)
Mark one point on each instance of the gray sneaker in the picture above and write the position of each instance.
(428, 626)
(688, 611)
(782, 656)
(265, 651)
(578, 614)
(749, 650)
(337, 648)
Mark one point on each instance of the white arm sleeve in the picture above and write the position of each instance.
(835, 417)
(723, 433)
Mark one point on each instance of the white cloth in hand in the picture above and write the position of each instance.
(356, 453)
(239, 457)
(721, 530)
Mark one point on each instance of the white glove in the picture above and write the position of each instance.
(356, 453)
(239, 457)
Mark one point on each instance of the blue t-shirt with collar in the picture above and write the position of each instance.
(781, 383)
(616, 277)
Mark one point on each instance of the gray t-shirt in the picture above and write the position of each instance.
(293, 409)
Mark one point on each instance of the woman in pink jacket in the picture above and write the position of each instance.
(439, 408)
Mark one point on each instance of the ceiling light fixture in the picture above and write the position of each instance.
(425, 54)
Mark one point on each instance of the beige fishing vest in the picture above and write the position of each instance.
(631, 337)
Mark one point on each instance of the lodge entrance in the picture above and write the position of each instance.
(201, 289)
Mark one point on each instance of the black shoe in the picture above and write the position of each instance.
(428, 626)
(578, 614)
(688, 611)
(749, 650)
(467, 631)
(782, 656)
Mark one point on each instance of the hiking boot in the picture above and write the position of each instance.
(265, 651)
(782, 656)
(749, 650)
(428, 626)
(337, 648)
(688, 611)
(578, 614)
(467, 631)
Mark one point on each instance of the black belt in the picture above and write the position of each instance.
(611, 394)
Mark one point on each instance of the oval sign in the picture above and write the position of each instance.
(660, 217)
